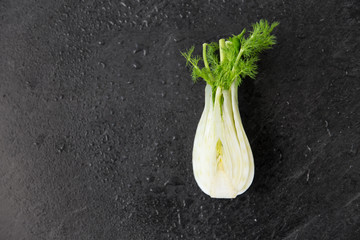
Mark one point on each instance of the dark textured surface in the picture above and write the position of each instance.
(98, 115)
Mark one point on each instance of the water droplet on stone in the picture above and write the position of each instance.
(138, 48)
(61, 148)
(136, 65)
(178, 39)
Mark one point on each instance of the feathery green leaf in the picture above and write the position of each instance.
(241, 55)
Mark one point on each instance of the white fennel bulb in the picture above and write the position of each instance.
(223, 163)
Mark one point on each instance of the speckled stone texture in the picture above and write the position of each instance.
(98, 115)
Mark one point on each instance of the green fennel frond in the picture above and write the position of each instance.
(212, 55)
(193, 63)
(260, 38)
(240, 56)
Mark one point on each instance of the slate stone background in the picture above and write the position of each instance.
(98, 115)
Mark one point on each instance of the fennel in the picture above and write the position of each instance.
(223, 163)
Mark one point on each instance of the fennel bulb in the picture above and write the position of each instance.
(222, 159)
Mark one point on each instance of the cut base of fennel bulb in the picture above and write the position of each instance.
(223, 163)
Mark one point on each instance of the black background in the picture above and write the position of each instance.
(98, 115)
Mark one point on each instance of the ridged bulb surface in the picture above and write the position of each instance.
(223, 163)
